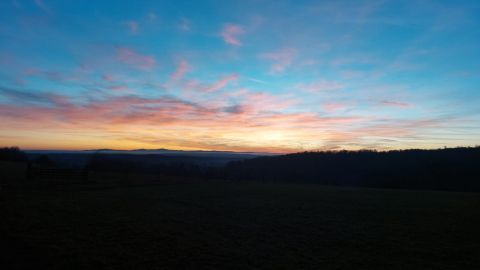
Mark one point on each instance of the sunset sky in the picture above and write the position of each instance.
(250, 75)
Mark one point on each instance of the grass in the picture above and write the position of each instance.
(217, 225)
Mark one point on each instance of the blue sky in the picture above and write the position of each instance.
(278, 76)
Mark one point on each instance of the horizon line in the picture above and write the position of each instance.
(251, 152)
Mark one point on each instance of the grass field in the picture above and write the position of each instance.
(237, 226)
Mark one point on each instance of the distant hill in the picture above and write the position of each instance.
(143, 159)
(161, 151)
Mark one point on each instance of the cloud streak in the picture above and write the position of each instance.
(230, 34)
(331, 107)
(281, 59)
(182, 68)
(134, 59)
(41, 4)
(321, 86)
(221, 83)
(132, 27)
(397, 104)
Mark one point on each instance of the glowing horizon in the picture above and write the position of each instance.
(247, 76)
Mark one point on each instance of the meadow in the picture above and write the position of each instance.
(236, 225)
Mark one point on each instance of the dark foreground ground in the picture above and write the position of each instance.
(237, 226)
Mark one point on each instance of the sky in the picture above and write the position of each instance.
(251, 75)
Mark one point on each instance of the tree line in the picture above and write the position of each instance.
(453, 169)
(456, 169)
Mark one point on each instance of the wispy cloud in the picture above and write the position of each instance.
(132, 27)
(331, 107)
(182, 68)
(217, 85)
(107, 77)
(264, 102)
(119, 87)
(321, 86)
(41, 4)
(256, 80)
(230, 34)
(134, 59)
(280, 59)
(221, 83)
(397, 104)
(22, 96)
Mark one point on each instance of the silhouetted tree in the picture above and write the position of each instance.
(12, 154)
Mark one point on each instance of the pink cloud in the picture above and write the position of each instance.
(230, 33)
(321, 86)
(213, 87)
(182, 68)
(261, 101)
(333, 107)
(107, 77)
(132, 27)
(31, 71)
(237, 93)
(281, 59)
(221, 83)
(392, 128)
(249, 103)
(118, 87)
(134, 59)
(397, 104)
